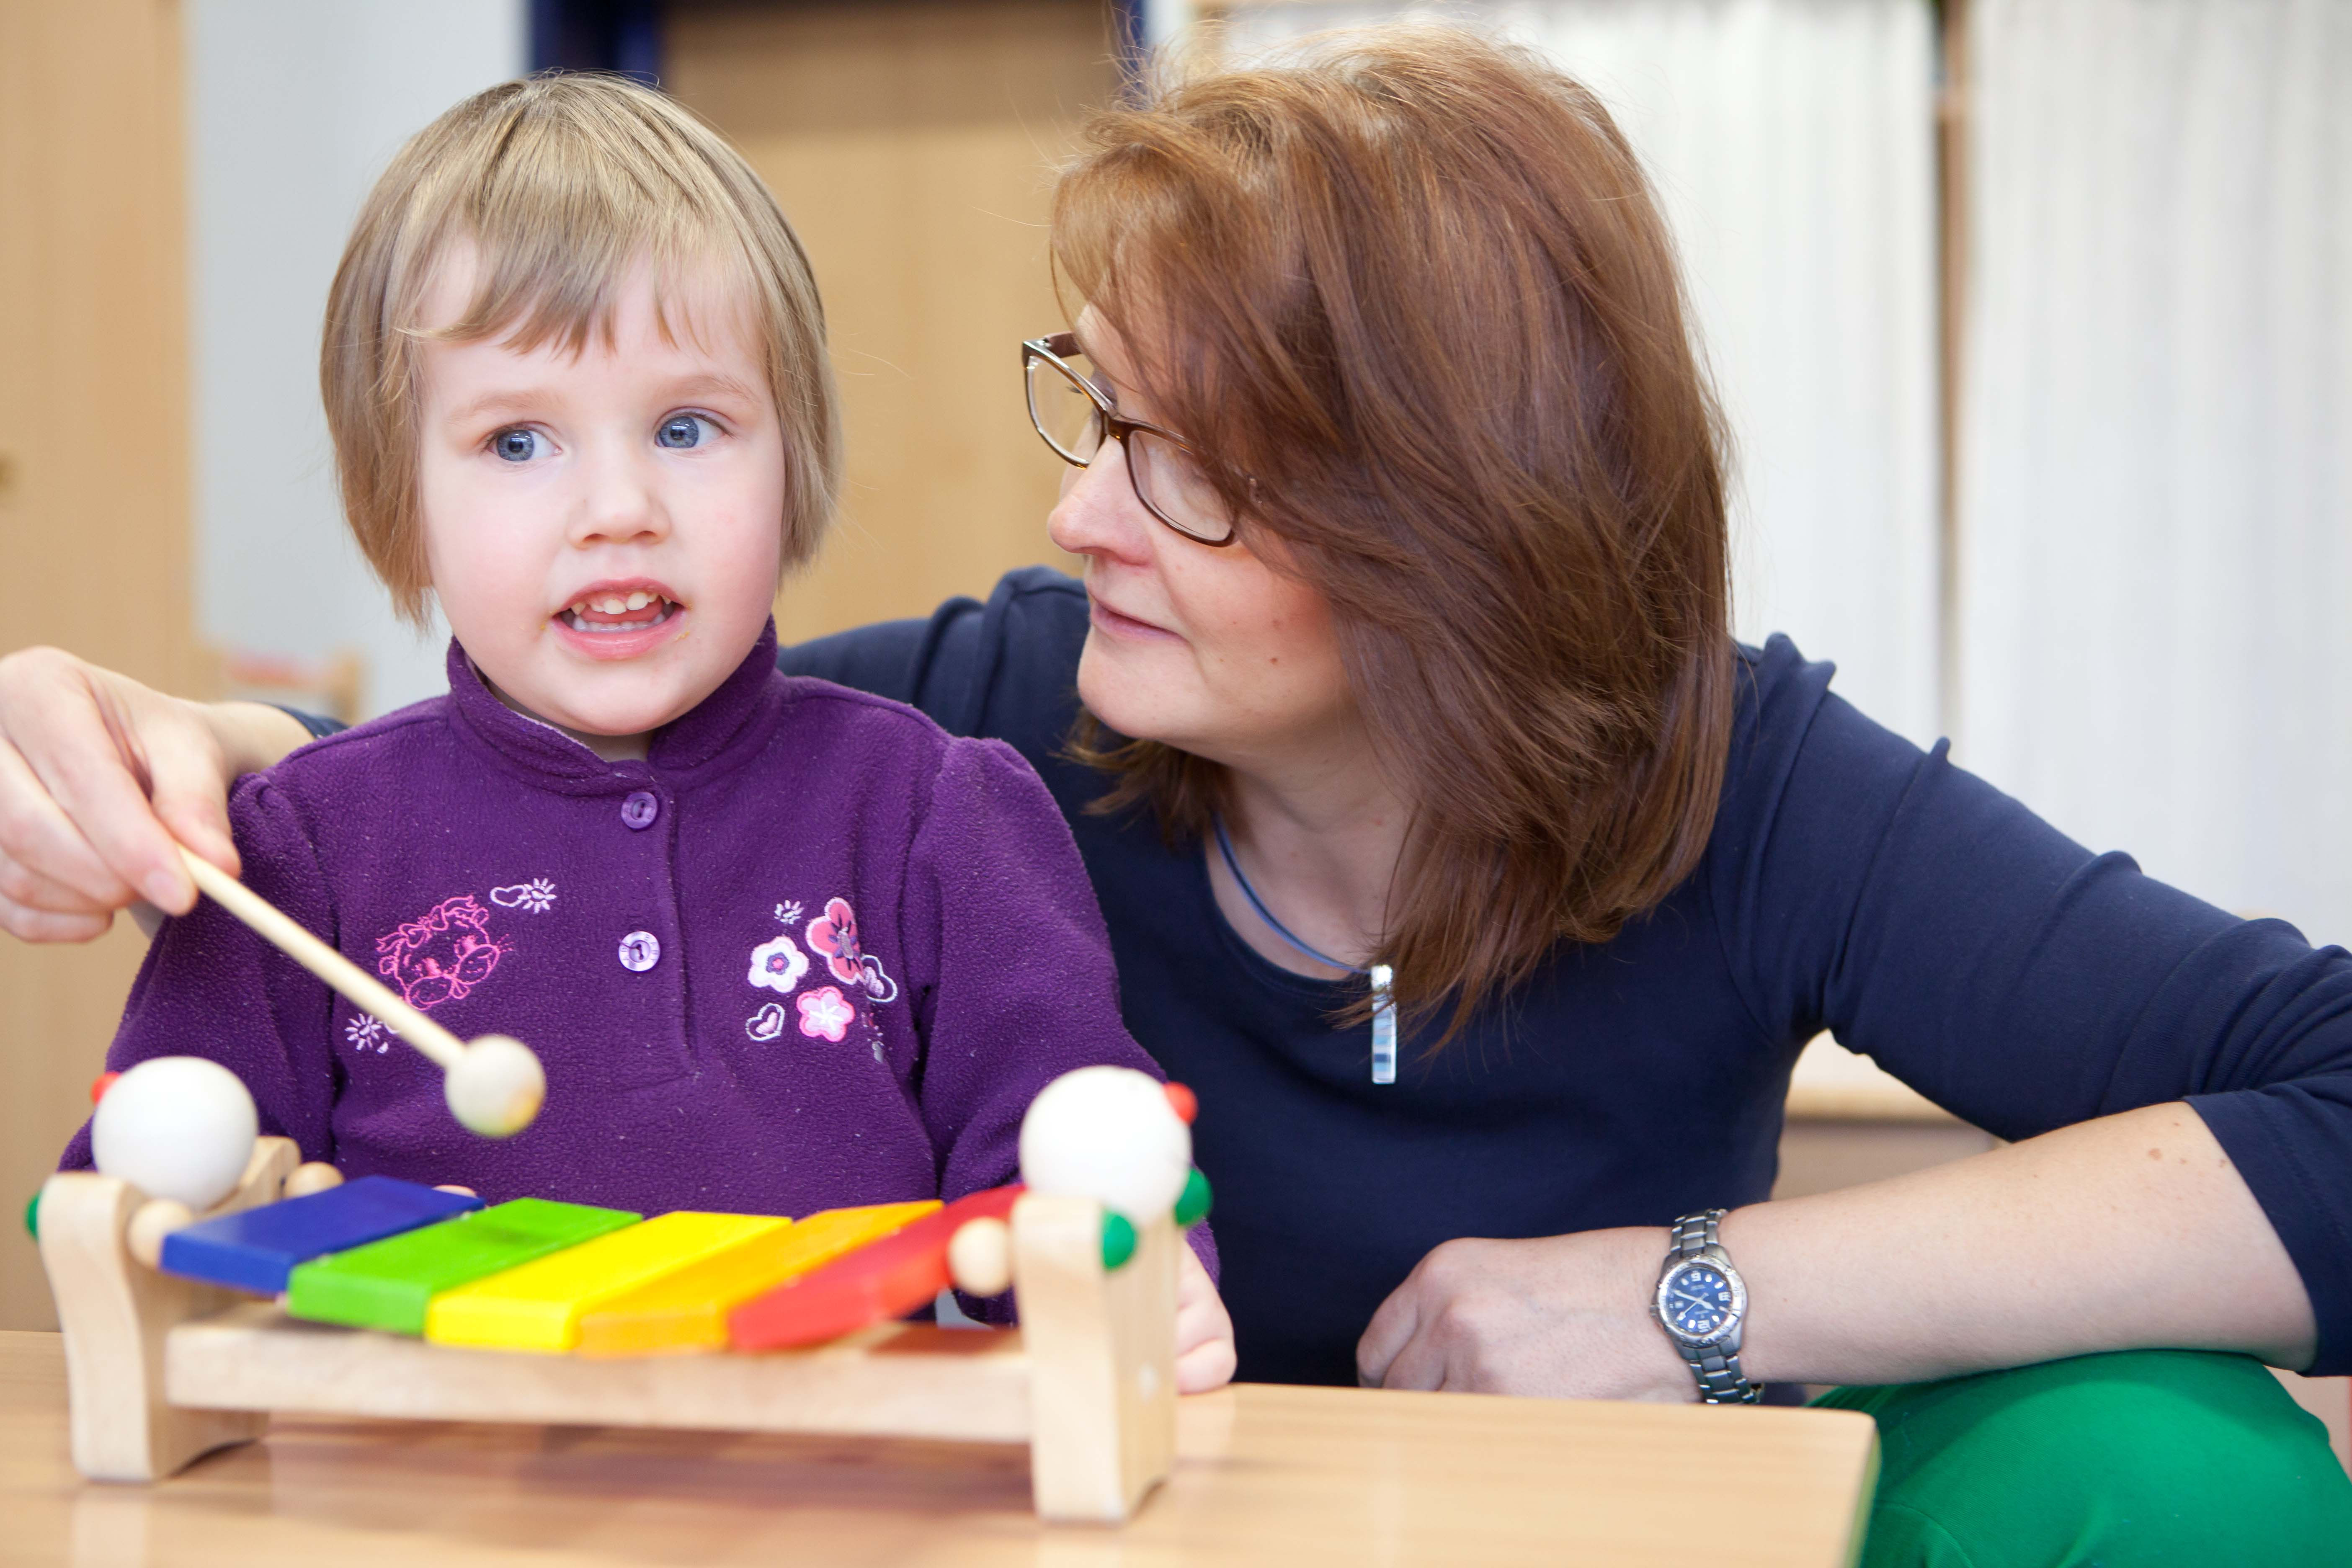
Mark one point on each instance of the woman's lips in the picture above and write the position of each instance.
(1108, 620)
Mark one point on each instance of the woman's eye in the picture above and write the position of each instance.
(682, 430)
(518, 446)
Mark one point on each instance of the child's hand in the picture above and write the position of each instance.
(1205, 1331)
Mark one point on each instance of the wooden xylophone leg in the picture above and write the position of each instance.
(1101, 1346)
(116, 1312)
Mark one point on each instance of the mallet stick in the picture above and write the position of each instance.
(495, 1092)
(361, 989)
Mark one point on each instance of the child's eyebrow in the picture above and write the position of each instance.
(530, 399)
(504, 401)
(687, 388)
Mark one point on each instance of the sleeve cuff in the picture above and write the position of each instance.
(2275, 1136)
(320, 726)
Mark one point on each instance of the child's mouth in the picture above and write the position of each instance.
(605, 614)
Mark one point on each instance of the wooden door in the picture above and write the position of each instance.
(93, 479)
(910, 141)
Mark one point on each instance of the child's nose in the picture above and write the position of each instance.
(622, 502)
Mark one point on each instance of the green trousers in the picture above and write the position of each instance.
(2143, 1457)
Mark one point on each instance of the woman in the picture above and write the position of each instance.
(1412, 715)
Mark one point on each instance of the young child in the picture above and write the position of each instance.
(782, 946)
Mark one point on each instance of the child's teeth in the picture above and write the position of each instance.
(640, 600)
(612, 605)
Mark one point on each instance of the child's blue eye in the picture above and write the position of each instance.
(515, 446)
(682, 430)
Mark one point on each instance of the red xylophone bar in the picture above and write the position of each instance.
(882, 1281)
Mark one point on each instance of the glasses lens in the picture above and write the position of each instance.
(1063, 412)
(1172, 484)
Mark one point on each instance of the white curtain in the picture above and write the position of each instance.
(2155, 473)
(1793, 141)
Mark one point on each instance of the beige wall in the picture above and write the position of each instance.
(93, 477)
(909, 144)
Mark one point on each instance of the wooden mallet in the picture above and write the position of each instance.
(494, 1085)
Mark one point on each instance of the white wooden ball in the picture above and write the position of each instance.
(156, 1218)
(312, 1176)
(497, 1087)
(176, 1127)
(979, 1256)
(1106, 1133)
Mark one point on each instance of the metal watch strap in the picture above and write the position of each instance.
(1716, 1367)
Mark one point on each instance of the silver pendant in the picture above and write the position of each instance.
(1384, 1044)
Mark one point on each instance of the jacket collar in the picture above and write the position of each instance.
(738, 716)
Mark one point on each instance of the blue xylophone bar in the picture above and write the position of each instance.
(257, 1248)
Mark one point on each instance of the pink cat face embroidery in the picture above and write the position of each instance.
(442, 956)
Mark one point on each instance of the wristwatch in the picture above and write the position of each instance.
(1701, 1303)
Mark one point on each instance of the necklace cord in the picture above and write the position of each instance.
(1225, 848)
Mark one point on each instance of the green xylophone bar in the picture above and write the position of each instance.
(389, 1284)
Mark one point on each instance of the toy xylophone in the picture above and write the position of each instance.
(301, 1292)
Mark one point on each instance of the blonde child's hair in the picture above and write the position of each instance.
(562, 185)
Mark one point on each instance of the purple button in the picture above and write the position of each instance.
(640, 951)
(640, 810)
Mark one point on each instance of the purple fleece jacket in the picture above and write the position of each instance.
(812, 952)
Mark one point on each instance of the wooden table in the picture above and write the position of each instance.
(1293, 1477)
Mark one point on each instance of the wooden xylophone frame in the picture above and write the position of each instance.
(163, 1370)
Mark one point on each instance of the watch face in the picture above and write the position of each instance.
(1698, 1301)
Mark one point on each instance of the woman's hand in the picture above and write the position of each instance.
(1205, 1331)
(1990, 1251)
(1564, 1316)
(97, 776)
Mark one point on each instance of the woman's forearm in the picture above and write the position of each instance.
(2131, 1231)
(253, 735)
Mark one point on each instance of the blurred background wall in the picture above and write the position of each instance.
(2034, 318)
(293, 107)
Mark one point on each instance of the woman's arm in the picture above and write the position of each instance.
(2056, 998)
(97, 774)
(2130, 1230)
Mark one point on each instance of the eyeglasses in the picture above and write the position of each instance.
(1076, 418)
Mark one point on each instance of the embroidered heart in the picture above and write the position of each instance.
(535, 897)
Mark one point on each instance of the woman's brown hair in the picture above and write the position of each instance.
(1411, 292)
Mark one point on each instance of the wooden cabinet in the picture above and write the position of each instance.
(93, 475)
(910, 142)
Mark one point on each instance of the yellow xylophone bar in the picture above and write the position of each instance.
(538, 1307)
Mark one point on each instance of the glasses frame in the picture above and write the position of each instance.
(1116, 426)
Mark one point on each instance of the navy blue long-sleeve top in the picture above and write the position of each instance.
(1853, 883)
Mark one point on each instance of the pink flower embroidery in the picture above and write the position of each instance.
(834, 934)
(443, 955)
(825, 1015)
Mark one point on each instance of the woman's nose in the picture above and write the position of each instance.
(1098, 513)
